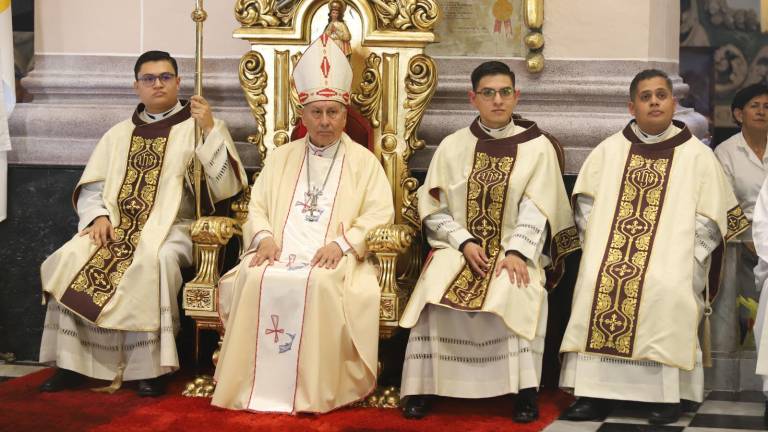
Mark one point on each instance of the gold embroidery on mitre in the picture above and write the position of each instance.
(486, 196)
(613, 319)
(100, 276)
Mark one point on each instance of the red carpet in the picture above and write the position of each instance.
(23, 408)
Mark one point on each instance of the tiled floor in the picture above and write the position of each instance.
(720, 412)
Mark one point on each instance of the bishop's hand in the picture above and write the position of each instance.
(100, 231)
(266, 251)
(328, 256)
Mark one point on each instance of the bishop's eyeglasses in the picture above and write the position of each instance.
(148, 80)
(490, 94)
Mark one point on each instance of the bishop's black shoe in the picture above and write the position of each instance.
(62, 379)
(416, 406)
(588, 409)
(526, 406)
(151, 387)
(664, 413)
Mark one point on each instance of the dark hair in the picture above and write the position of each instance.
(762, 60)
(152, 56)
(491, 68)
(646, 75)
(743, 96)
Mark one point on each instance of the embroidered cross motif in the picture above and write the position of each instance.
(613, 322)
(133, 206)
(634, 227)
(99, 279)
(485, 228)
(275, 330)
(624, 270)
(121, 251)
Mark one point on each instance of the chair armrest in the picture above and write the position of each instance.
(387, 242)
(209, 234)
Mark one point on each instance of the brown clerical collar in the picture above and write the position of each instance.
(531, 131)
(681, 137)
(165, 123)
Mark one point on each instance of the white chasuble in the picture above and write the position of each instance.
(334, 342)
(284, 287)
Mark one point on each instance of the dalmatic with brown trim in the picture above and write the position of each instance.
(634, 297)
(143, 167)
(484, 179)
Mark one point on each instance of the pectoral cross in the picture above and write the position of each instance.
(309, 206)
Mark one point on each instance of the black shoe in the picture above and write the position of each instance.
(61, 380)
(151, 387)
(526, 407)
(588, 409)
(664, 413)
(689, 406)
(416, 406)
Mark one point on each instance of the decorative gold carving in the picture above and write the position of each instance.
(282, 107)
(613, 318)
(387, 242)
(534, 19)
(265, 13)
(390, 93)
(253, 80)
(486, 197)
(413, 15)
(420, 85)
(202, 386)
(199, 299)
(294, 94)
(369, 96)
(382, 397)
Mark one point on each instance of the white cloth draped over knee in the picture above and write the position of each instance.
(646, 381)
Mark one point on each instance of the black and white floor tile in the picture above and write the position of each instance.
(720, 412)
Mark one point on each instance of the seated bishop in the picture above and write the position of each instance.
(111, 290)
(301, 310)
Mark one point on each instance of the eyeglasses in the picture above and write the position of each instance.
(332, 113)
(490, 94)
(148, 80)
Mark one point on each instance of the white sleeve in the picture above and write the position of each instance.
(221, 177)
(707, 238)
(90, 204)
(530, 233)
(257, 239)
(441, 226)
(760, 235)
(581, 213)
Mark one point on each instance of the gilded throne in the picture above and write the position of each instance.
(394, 82)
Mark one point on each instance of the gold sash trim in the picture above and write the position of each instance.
(737, 222)
(613, 319)
(562, 244)
(486, 197)
(97, 281)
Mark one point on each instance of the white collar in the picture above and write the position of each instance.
(325, 152)
(501, 132)
(647, 138)
(148, 117)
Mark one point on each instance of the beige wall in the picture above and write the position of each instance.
(130, 27)
(612, 29)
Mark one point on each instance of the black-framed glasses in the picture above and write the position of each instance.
(489, 93)
(148, 80)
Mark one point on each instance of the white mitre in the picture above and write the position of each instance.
(323, 73)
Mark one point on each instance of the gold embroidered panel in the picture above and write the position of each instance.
(96, 283)
(613, 320)
(486, 197)
(737, 222)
